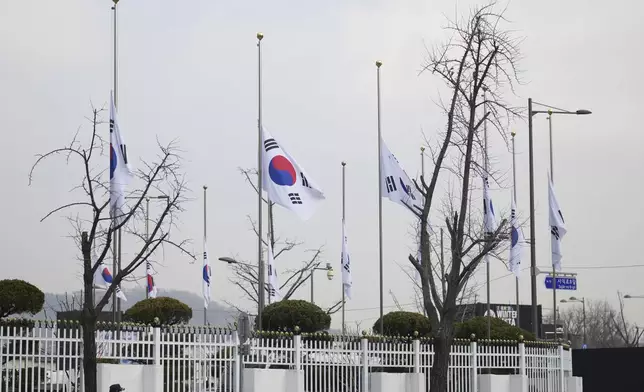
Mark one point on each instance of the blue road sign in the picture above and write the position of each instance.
(563, 283)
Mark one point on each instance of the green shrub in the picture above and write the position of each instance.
(168, 311)
(288, 314)
(499, 329)
(18, 296)
(404, 324)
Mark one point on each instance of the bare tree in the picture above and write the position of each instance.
(629, 334)
(246, 275)
(603, 324)
(477, 65)
(95, 230)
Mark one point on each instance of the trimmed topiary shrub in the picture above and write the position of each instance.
(499, 329)
(288, 314)
(18, 296)
(169, 311)
(404, 324)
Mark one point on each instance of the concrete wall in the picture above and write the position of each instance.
(134, 378)
(399, 382)
(272, 380)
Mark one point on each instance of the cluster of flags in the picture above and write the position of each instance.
(556, 221)
(287, 184)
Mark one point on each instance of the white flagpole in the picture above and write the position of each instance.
(344, 165)
(554, 270)
(514, 191)
(116, 250)
(270, 241)
(381, 327)
(487, 259)
(205, 237)
(260, 263)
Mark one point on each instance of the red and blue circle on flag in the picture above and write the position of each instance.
(281, 171)
(107, 277)
(206, 274)
(113, 161)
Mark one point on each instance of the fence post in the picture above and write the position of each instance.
(237, 361)
(474, 359)
(297, 345)
(364, 343)
(562, 379)
(416, 343)
(156, 332)
(522, 371)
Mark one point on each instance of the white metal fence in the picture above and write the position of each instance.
(48, 357)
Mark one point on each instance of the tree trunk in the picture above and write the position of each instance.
(440, 368)
(89, 353)
(88, 318)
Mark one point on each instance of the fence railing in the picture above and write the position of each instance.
(48, 357)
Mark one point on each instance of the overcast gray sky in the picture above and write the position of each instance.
(188, 71)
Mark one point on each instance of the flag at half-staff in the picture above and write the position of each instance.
(151, 284)
(206, 274)
(286, 182)
(514, 264)
(347, 279)
(120, 172)
(273, 284)
(557, 227)
(103, 278)
(396, 184)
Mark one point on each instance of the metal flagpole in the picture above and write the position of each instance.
(271, 242)
(381, 327)
(487, 259)
(147, 238)
(533, 249)
(422, 173)
(554, 271)
(205, 237)
(341, 259)
(514, 191)
(260, 262)
(116, 250)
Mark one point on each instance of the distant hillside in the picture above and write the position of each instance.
(218, 314)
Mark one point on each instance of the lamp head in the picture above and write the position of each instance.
(228, 260)
(513, 133)
(378, 63)
(627, 296)
(330, 274)
(260, 36)
(583, 112)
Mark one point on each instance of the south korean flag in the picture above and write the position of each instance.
(286, 182)
(396, 184)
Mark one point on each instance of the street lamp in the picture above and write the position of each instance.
(230, 260)
(329, 275)
(628, 296)
(533, 254)
(582, 300)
